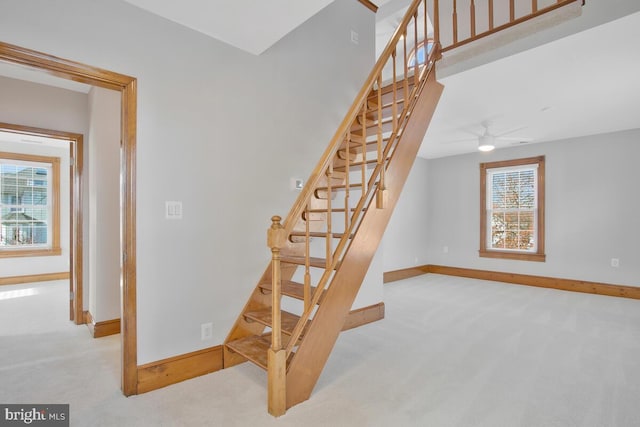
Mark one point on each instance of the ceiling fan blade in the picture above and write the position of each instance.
(514, 138)
(509, 132)
(456, 141)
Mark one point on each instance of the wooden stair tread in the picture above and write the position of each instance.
(372, 105)
(318, 234)
(253, 347)
(300, 260)
(356, 148)
(388, 88)
(289, 288)
(339, 186)
(333, 210)
(355, 164)
(288, 320)
(371, 123)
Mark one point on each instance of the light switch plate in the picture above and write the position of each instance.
(173, 210)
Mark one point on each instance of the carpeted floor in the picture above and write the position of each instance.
(450, 352)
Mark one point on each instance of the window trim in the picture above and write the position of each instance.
(484, 252)
(55, 248)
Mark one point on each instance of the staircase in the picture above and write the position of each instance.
(323, 249)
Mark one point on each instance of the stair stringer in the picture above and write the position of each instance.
(314, 350)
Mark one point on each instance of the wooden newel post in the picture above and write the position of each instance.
(276, 356)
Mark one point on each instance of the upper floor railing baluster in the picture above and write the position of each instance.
(484, 18)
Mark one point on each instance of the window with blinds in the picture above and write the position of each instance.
(512, 213)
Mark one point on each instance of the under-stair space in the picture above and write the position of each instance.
(323, 248)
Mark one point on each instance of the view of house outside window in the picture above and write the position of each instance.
(25, 204)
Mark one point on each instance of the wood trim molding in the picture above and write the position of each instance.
(542, 281)
(572, 285)
(364, 315)
(405, 273)
(127, 86)
(15, 280)
(369, 5)
(162, 373)
(103, 328)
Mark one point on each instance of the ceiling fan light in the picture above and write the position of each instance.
(485, 143)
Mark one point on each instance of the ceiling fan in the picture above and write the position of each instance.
(487, 140)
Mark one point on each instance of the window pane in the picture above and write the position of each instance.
(511, 218)
(498, 227)
(25, 214)
(512, 190)
(498, 191)
(39, 234)
(526, 220)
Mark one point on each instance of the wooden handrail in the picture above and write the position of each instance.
(324, 170)
(514, 20)
(368, 104)
(365, 198)
(361, 97)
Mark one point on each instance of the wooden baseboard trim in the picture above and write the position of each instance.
(623, 291)
(405, 273)
(173, 370)
(16, 280)
(364, 315)
(103, 328)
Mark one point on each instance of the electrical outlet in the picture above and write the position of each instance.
(206, 331)
(615, 262)
(445, 249)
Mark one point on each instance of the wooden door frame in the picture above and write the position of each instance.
(75, 201)
(127, 86)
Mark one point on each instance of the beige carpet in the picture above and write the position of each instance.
(450, 352)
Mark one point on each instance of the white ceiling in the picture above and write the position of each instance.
(584, 84)
(250, 25)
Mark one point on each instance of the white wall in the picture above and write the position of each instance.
(37, 105)
(104, 204)
(218, 129)
(592, 204)
(406, 237)
(30, 104)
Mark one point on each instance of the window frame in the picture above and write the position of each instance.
(54, 248)
(414, 54)
(539, 254)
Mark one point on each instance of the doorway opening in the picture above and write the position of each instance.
(127, 86)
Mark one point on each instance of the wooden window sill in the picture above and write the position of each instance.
(513, 255)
